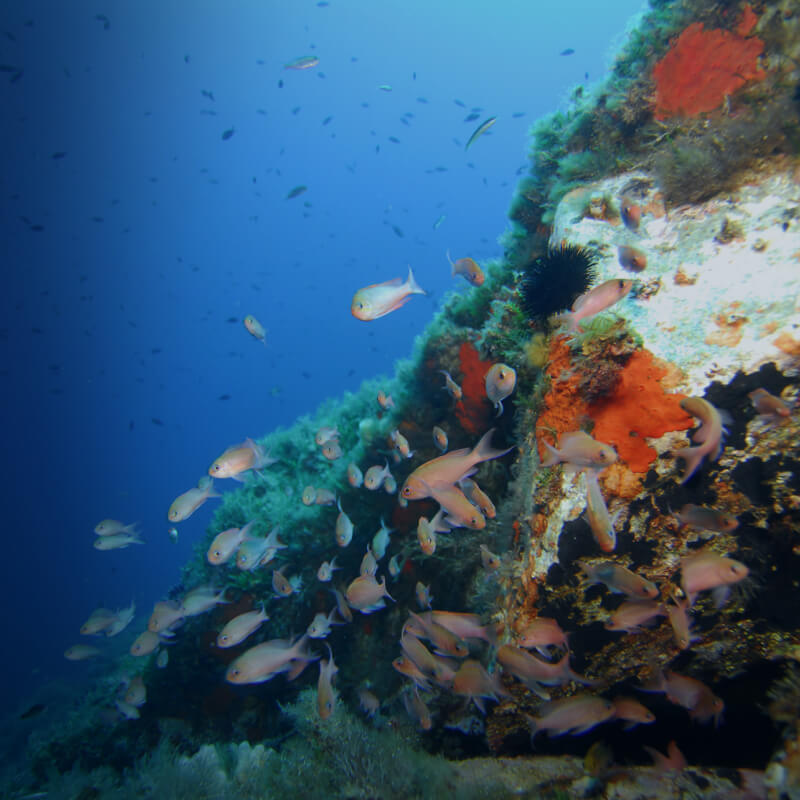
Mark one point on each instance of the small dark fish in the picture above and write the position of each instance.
(59, 154)
(397, 231)
(471, 117)
(323, 4)
(104, 19)
(394, 139)
(481, 129)
(518, 114)
(631, 258)
(130, 425)
(296, 192)
(568, 52)
(186, 59)
(350, 373)
(422, 100)
(321, 74)
(280, 84)
(206, 93)
(157, 421)
(33, 711)
(631, 213)
(208, 112)
(224, 397)
(37, 228)
(414, 76)
(227, 134)
(326, 120)
(155, 350)
(459, 103)
(97, 219)
(306, 374)
(296, 110)
(232, 319)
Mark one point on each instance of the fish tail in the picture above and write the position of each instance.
(483, 451)
(692, 457)
(450, 260)
(553, 456)
(413, 286)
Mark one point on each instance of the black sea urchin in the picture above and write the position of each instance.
(554, 281)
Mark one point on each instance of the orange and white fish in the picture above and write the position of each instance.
(341, 606)
(450, 386)
(99, 620)
(677, 613)
(332, 450)
(690, 693)
(395, 565)
(769, 407)
(240, 627)
(379, 299)
(385, 400)
(417, 709)
(368, 702)
(478, 497)
(268, 659)
(326, 696)
(366, 595)
(440, 439)
(81, 652)
(255, 329)
(619, 579)
(475, 683)
(320, 626)
(375, 476)
(500, 382)
(578, 449)
(324, 497)
(226, 543)
(575, 715)
(468, 270)
(255, 551)
(401, 444)
(460, 511)
(632, 712)
(389, 484)
(446, 470)
(707, 570)
(444, 641)
(674, 760)
(202, 599)
(325, 434)
(427, 530)
(630, 212)
(710, 435)
(122, 618)
(709, 519)
(490, 560)
(239, 458)
(596, 300)
(380, 541)
(344, 528)
(354, 475)
(283, 586)
(116, 541)
(147, 642)
(309, 496)
(187, 503)
(533, 671)
(541, 633)
(325, 571)
(633, 614)
(369, 564)
(136, 695)
(110, 527)
(166, 614)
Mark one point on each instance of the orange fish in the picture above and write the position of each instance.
(500, 381)
(596, 300)
(631, 258)
(574, 715)
(379, 299)
(630, 212)
(710, 435)
(326, 696)
(255, 329)
(187, 503)
(468, 270)
(239, 458)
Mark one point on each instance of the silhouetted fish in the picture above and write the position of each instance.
(156, 421)
(568, 52)
(227, 134)
(33, 711)
(296, 192)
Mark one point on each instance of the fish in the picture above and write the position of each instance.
(227, 134)
(631, 214)
(341, 606)
(122, 618)
(674, 760)
(368, 702)
(417, 709)
(109, 527)
(596, 300)
(709, 519)
(439, 220)
(467, 269)
(255, 551)
(631, 258)
(369, 564)
(326, 570)
(166, 614)
(574, 715)
(173, 534)
(325, 434)
(296, 192)
(406, 667)
(326, 696)
(568, 52)
(225, 544)
(707, 570)
(147, 642)
(344, 527)
(240, 627)
(533, 671)
(354, 476)
(401, 444)
(162, 659)
(427, 530)
(332, 450)
(309, 496)
(446, 470)
(202, 599)
(32, 711)
(597, 516)
(632, 712)
(460, 511)
(423, 595)
(770, 407)
(579, 449)
(500, 382)
(99, 620)
(303, 62)
(81, 652)
(281, 585)
(380, 541)
(693, 695)
(117, 541)
(633, 614)
(541, 633)
(240, 458)
(187, 503)
(490, 560)
(268, 659)
(680, 622)
(440, 439)
(450, 386)
(476, 684)
(466, 626)
(385, 87)
(320, 626)
(385, 400)
(472, 116)
(366, 595)
(619, 579)
(710, 435)
(395, 567)
(480, 130)
(255, 329)
(136, 695)
(127, 710)
(375, 476)
(378, 300)
(390, 484)
(444, 641)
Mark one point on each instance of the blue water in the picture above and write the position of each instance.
(155, 231)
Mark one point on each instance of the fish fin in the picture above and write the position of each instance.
(692, 457)
(483, 450)
(499, 405)
(553, 456)
(413, 286)
(453, 270)
(720, 595)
